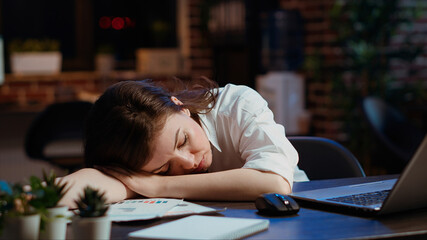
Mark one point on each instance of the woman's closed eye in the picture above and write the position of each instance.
(164, 170)
(184, 141)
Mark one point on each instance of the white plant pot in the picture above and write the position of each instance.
(91, 227)
(56, 223)
(104, 63)
(22, 227)
(36, 62)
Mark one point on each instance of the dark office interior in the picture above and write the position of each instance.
(343, 55)
(347, 79)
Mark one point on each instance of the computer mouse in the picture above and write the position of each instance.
(273, 204)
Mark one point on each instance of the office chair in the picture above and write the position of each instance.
(322, 158)
(56, 134)
(396, 136)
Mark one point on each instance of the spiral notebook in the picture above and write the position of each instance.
(151, 208)
(203, 227)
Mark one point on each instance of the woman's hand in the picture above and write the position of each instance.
(143, 183)
(114, 190)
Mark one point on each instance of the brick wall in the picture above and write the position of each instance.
(38, 91)
(200, 54)
(319, 39)
(33, 93)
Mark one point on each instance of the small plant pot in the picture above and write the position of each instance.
(91, 227)
(55, 224)
(45, 63)
(104, 63)
(21, 227)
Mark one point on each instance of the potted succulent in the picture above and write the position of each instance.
(91, 221)
(46, 195)
(18, 219)
(104, 59)
(35, 56)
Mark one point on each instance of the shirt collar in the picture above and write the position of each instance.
(209, 128)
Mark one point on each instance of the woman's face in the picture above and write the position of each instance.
(182, 147)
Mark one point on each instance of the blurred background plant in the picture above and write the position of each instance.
(34, 45)
(364, 43)
(16, 202)
(105, 48)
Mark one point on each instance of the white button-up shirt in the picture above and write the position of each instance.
(243, 134)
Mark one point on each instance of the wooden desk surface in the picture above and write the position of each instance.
(312, 223)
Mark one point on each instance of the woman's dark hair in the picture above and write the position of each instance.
(124, 120)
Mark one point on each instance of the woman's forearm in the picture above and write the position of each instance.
(77, 181)
(231, 185)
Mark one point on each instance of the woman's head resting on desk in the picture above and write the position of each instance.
(139, 126)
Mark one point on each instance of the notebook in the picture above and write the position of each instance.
(389, 196)
(141, 209)
(151, 208)
(203, 227)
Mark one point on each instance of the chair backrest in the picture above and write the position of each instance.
(393, 130)
(323, 158)
(58, 123)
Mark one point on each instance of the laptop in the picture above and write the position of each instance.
(379, 197)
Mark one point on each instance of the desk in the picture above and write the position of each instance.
(312, 223)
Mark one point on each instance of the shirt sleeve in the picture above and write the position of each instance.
(261, 142)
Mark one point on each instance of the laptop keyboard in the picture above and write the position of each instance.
(364, 199)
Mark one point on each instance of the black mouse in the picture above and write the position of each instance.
(274, 204)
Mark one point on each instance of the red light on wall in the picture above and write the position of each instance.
(129, 22)
(118, 23)
(104, 22)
